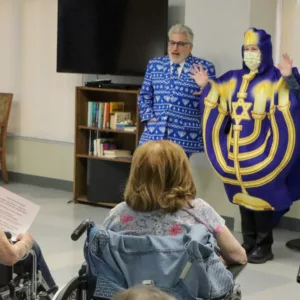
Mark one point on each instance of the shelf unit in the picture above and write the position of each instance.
(125, 139)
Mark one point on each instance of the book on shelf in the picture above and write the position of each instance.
(105, 115)
(126, 127)
(116, 107)
(102, 144)
(100, 141)
(117, 153)
(118, 118)
(130, 128)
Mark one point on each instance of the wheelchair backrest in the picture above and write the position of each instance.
(6, 275)
(186, 266)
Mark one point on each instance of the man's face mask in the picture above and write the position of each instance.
(252, 59)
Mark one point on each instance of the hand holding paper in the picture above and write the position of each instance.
(16, 213)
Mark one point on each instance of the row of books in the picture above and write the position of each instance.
(107, 115)
(105, 146)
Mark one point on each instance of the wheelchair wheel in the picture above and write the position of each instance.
(75, 289)
(235, 294)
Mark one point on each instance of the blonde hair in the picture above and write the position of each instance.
(142, 292)
(160, 178)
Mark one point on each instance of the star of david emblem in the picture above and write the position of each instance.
(244, 115)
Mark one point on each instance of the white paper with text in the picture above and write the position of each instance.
(16, 213)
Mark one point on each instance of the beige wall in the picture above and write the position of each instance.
(43, 104)
(40, 158)
(263, 15)
(290, 43)
(219, 27)
(209, 186)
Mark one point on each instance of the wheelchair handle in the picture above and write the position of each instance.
(298, 276)
(8, 235)
(79, 231)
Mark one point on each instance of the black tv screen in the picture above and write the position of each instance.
(115, 37)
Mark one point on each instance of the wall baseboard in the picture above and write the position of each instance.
(229, 221)
(45, 182)
(286, 223)
(289, 223)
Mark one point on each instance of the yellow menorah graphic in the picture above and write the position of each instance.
(240, 111)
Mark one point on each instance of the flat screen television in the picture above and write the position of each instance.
(115, 37)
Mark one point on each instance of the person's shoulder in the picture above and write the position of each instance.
(159, 60)
(203, 62)
(119, 208)
(199, 203)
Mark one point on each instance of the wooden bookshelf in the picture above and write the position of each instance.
(84, 199)
(118, 159)
(125, 139)
(106, 130)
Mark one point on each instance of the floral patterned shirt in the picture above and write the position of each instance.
(123, 219)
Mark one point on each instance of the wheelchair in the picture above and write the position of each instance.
(83, 286)
(18, 284)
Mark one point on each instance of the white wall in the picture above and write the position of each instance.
(28, 69)
(290, 41)
(176, 12)
(218, 27)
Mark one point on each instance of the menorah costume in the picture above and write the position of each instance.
(251, 132)
(168, 97)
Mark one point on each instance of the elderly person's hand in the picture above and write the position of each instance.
(12, 253)
(27, 239)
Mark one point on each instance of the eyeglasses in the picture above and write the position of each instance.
(179, 44)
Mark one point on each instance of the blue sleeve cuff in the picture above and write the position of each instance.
(292, 82)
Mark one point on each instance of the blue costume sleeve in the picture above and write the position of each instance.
(293, 82)
(145, 100)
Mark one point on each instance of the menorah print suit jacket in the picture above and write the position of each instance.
(251, 131)
(170, 100)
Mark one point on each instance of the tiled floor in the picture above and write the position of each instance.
(57, 219)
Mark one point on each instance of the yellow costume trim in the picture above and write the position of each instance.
(245, 171)
(245, 155)
(248, 170)
(252, 137)
(251, 202)
(251, 38)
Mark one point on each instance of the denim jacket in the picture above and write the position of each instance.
(185, 266)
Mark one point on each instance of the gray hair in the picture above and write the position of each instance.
(180, 28)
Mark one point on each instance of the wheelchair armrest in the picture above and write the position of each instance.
(236, 269)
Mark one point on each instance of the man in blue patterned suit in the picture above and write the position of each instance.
(168, 101)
